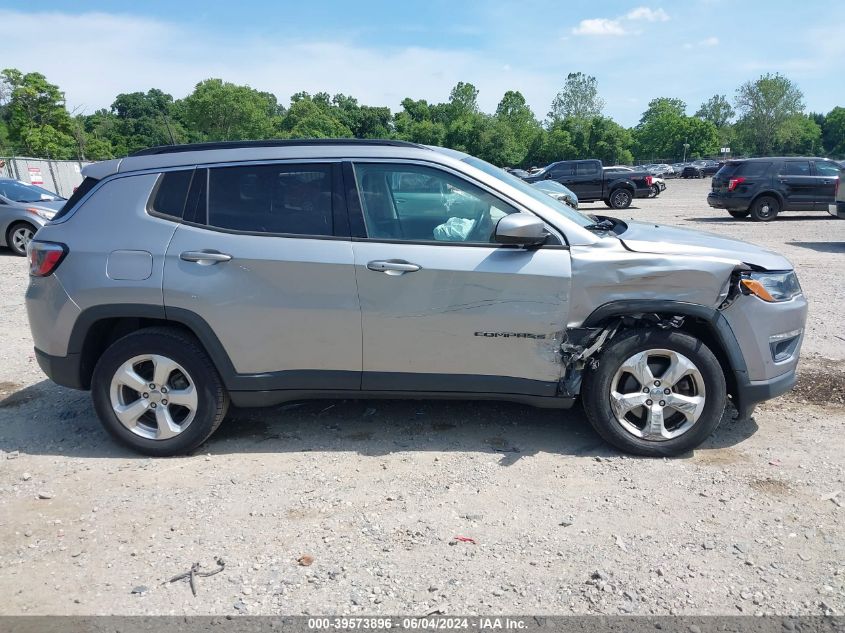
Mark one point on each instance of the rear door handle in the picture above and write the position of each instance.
(393, 266)
(205, 257)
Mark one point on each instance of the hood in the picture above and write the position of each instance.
(47, 205)
(669, 240)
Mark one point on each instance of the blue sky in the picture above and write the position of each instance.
(381, 52)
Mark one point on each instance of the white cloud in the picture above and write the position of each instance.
(599, 26)
(647, 14)
(616, 26)
(709, 41)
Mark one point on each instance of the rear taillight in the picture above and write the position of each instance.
(649, 180)
(733, 183)
(45, 257)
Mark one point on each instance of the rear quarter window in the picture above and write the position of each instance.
(752, 170)
(170, 193)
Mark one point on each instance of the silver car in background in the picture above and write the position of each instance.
(558, 191)
(23, 210)
(183, 278)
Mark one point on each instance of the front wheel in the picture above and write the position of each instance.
(621, 199)
(655, 191)
(156, 391)
(655, 393)
(19, 236)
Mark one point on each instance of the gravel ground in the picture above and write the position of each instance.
(380, 496)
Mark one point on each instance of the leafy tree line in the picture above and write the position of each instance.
(766, 116)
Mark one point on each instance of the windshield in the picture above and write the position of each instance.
(561, 208)
(17, 191)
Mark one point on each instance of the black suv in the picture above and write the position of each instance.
(763, 187)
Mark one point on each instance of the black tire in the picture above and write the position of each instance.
(765, 209)
(184, 349)
(15, 245)
(620, 198)
(738, 214)
(655, 191)
(597, 385)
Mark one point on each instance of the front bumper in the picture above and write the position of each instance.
(751, 393)
(837, 209)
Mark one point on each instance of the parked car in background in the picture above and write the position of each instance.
(658, 185)
(764, 187)
(558, 192)
(186, 277)
(24, 209)
(692, 171)
(707, 167)
(519, 173)
(588, 180)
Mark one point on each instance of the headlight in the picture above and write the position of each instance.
(41, 213)
(771, 287)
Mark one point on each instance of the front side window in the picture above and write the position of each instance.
(422, 204)
(795, 168)
(291, 199)
(827, 168)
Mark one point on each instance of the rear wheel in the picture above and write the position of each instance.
(655, 191)
(19, 236)
(620, 198)
(655, 393)
(765, 209)
(156, 391)
(739, 214)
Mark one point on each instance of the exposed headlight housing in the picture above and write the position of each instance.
(44, 214)
(771, 286)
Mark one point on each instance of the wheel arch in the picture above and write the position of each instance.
(705, 323)
(98, 327)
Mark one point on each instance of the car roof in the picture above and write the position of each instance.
(770, 158)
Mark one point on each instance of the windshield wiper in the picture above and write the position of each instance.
(603, 225)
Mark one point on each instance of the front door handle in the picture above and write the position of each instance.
(205, 257)
(393, 266)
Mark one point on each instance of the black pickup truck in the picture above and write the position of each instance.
(590, 182)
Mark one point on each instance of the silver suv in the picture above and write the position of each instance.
(183, 278)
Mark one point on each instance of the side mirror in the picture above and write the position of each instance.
(522, 229)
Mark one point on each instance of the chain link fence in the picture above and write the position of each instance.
(59, 176)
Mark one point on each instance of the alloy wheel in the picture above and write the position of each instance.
(657, 394)
(153, 396)
(21, 237)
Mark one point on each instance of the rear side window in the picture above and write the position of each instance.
(587, 169)
(291, 199)
(170, 193)
(81, 191)
(795, 168)
(752, 170)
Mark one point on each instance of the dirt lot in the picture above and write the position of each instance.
(378, 492)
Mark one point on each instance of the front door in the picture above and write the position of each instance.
(827, 174)
(797, 184)
(443, 307)
(263, 261)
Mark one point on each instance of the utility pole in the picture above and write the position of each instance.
(686, 147)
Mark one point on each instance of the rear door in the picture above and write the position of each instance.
(443, 307)
(589, 178)
(827, 175)
(797, 184)
(264, 258)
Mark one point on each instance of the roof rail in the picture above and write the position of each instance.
(199, 147)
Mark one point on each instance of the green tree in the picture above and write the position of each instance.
(833, 132)
(765, 106)
(717, 109)
(222, 111)
(38, 122)
(579, 99)
(664, 129)
(799, 134)
(313, 117)
(513, 129)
